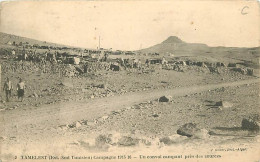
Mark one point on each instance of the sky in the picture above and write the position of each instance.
(132, 25)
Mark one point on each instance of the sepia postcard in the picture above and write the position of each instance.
(137, 80)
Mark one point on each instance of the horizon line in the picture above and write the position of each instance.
(60, 44)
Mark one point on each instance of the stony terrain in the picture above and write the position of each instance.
(193, 102)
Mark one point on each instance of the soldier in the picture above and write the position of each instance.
(20, 89)
(8, 89)
(147, 63)
(13, 52)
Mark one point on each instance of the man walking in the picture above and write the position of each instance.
(8, 89)
(20, 89)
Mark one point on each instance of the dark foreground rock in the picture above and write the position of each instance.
(165, 99)
(102, 140)
(127, 141)
(191, 130)
(251, 123)
(224, 104)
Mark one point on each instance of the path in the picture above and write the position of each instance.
(50, 116)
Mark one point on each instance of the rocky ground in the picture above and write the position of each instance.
(120, 111)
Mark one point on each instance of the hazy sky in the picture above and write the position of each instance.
(134, 24)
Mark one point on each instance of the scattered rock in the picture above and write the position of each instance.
(232, 65)
(251, 123)
(105, 117)
(91, 123)
(115, 112)
(13, 137)
(224, 104)
(165, 99)
(187, 129)
(114, 67)
(166, 140)
(63, 127)
(201, 64)
(191, 130)
(35, 95)
(115, 136)
(136, 107)
(201, 134)
(146, 141)
(46, 90)
(250, 71)
(66, 83)
(3, 138)
(176, 138)
(102, 140)
(155, 115)
(77, 124)
(127, 141)
(102, 86)
(84, 122)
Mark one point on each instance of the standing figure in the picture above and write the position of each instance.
(8, 89)
(20, 89)
(147, 63)
(13, 52)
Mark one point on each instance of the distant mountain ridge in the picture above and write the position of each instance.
(7, 39)
(173, 39)
(175, 45)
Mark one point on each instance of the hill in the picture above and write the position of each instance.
(174, 45)
(8, 39)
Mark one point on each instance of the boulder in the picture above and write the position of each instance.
(3, 138)
(35, 95)
(155, 115)
(77, 124)
(240, 70)
(91, 123)
(201, 134)
(201, 64)
(187, 129)
(105, 117)
(188, 62)
(250, 71)
(220, 64)
(183, 63)
(191, 130)
(224, 104)
(146, 141)
(214, 70)
(165, 99)
(63, 127)
(251, 123)
(102, 140)
(102, 86)
(79, 69)
(114, 67)
(66, 84)
(232, 65)
(166, 140)
(127, 141)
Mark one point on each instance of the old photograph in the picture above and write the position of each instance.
(129, 80)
